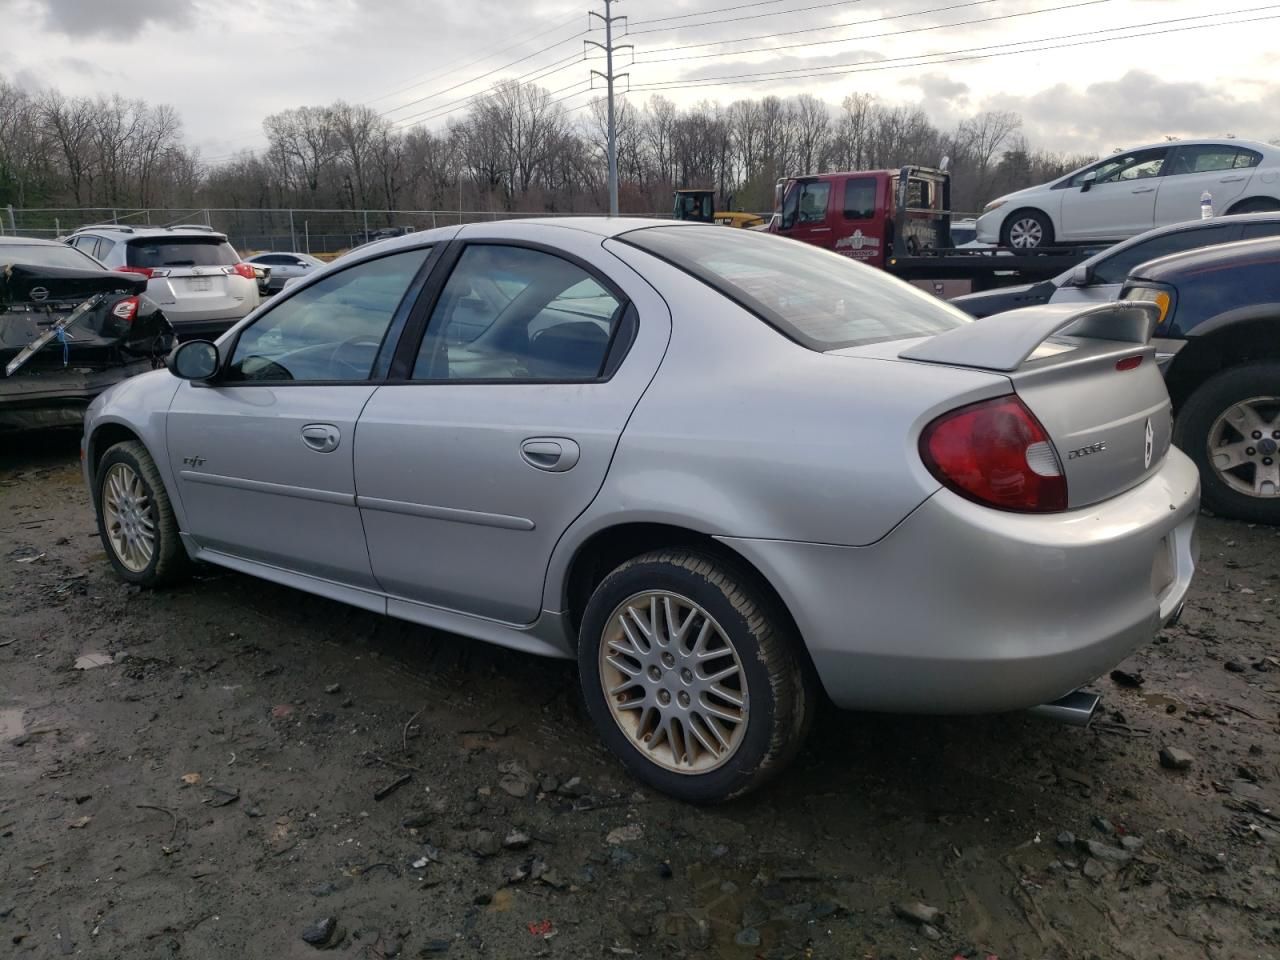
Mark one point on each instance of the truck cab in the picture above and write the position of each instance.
(870, 215)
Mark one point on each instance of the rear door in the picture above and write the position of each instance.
(1120, 203)
(1219, 169)
(504, 426)
(860, 234)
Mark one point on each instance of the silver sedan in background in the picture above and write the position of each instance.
(724, 471)
(286, 266)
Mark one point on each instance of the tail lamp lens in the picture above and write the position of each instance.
(126, 309)
(996, 453)
(241, 270)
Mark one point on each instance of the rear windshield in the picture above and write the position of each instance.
(39, 255)
(181, 252)
(819, 299)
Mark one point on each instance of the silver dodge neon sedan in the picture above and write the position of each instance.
(725, 471)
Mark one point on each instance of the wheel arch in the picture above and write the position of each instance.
(1228, 342)
(103, 438)
(1259, 203)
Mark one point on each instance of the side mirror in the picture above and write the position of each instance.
(1081, 275)
(1087, 183)
(194, 360)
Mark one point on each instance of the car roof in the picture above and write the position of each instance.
(1205, 141)
(28, 241)
(1238, 254)
(193, 230)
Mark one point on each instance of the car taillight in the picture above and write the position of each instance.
(996, 453)
(126, 309)
(147, 272)
(240, 269)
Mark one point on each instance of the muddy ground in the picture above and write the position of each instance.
(197, 774)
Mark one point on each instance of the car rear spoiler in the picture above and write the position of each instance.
(1004, 342)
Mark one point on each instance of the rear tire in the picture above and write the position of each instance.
(135, 518)
(655, 632)
(1026, 230)
(1223, 415)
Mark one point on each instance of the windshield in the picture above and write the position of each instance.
(54, 255)
(817, 298)
(181, 252)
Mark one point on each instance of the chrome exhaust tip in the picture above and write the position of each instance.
(1075, 709)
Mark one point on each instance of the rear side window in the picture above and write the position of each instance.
(1211, 157)
(859, 198)
(180, 252)
(819, 299)
(1115, 268)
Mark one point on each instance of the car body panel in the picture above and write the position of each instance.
(805, 463)
(1119, 209)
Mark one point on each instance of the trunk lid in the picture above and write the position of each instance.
(1090, 377)
(61, 288)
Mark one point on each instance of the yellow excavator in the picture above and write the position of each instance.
(699, 206)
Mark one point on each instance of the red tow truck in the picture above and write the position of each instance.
(900, 221)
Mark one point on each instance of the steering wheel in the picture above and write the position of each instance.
(360, 370)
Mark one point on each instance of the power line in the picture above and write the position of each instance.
(752, 16)
(839, 70)
(825, 27)
(877, 36)
(706, 13)
(493, 53)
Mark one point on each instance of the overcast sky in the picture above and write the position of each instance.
(226, 65)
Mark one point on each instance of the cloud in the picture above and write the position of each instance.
(1139, 107)
(937, 87)
(116, 19)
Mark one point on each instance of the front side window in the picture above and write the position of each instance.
(819, 299)
(512, 313)
(859, 198)
(1115, 268)
(806, 202)
(331, 330)
(1137, 165)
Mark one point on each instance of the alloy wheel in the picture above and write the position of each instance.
(1244, 446)
(129, 515)
(674, 682)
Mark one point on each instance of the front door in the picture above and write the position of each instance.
(1120, 202)
(806, 210)
(264, 454)
(469, 473)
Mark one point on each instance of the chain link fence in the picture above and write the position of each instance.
(255, 230)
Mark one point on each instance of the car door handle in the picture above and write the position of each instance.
(819, 229)
(1145, 190)
(1231, 179)
(553, 454)
(321, 437)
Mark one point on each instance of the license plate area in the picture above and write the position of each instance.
(200, 284)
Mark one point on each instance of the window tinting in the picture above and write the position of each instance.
(511, 313)
(820, 299)
(333, 329)
(859, 198)
(1115, 268)
(181, 252)
(40, 255)
(1210, 158)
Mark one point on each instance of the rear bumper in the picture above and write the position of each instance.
(962, 609)
(204, 328)
(33, 400)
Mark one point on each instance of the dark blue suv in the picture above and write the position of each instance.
(1219, 344)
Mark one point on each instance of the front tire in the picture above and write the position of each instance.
(1230, 427)
(1026, 230)
(135, 518)
(692, 677)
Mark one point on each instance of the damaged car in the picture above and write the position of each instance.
(69, 328)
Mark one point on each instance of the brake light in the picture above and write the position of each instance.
(996, 453)
(1129, 363)
(240, 269)
(126, 309)
(147, 272)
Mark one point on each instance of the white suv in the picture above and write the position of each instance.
(193, 273)
(1135, 190)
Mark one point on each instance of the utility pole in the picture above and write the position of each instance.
(609, 77)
